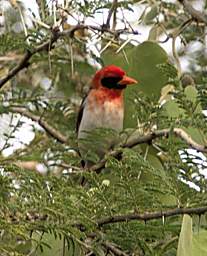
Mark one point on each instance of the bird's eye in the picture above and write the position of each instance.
(111, 82)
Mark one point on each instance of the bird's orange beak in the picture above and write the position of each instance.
(127, 80)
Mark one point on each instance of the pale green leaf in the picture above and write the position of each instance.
(185, 239)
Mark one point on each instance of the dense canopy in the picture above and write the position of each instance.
(147, 196)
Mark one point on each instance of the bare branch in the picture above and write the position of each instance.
(195, 14)
(102, 29)
(48, 128)
(151, 215)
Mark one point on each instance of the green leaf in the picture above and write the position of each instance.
(153, 33)
(177, 109)
(144, 61)
(199, 246)
(168, 70)
(172, 109)
(185, 239)
(153, 12)
(191, 93)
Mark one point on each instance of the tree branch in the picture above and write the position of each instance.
(24, 62)
(148, 138)
(102, 29)
(131, 142)
(151, 215)
(165, 133)
(48, 128)
(195, 14)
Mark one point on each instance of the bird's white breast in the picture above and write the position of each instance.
(109, 114)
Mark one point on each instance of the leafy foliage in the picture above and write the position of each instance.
(50, 205)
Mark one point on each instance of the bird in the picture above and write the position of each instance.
(102, 108)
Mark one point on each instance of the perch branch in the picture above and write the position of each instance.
(146, 216)
(151, 215)
(165, 133)
(131, 142)
(148, 138)
(48, 128)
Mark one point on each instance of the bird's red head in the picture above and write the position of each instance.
(112, 77)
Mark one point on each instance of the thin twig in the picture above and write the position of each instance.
(22, 20)
(176, 57)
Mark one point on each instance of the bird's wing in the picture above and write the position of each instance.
(80, 113)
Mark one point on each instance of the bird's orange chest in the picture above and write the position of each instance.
(104, 97)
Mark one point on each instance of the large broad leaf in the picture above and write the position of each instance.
(144, 67)
(141, 63)
(185, 239)
(199, 246)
